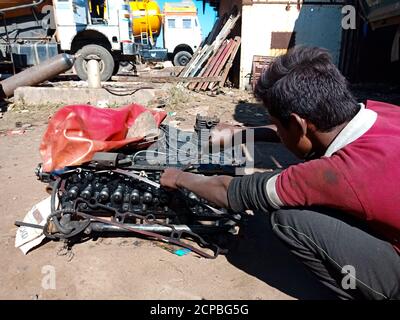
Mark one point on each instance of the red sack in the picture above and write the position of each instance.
(76, 132)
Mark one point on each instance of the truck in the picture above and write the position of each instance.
(31, 32)
(182, 31)
(181, 28)
(110, 31)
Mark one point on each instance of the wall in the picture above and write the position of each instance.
(313, 25)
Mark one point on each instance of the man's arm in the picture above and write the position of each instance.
(213, 189)
(238, 194)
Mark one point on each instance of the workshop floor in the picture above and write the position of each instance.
(256, 267)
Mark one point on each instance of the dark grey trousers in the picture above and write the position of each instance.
(341, 252)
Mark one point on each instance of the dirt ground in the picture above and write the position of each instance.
(256, 267)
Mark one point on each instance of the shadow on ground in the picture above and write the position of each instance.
(259, 253)
(251, 114)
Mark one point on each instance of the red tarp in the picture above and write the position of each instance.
(76, 132)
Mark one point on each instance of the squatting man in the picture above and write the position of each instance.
(341, 206)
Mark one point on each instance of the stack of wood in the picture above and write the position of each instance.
(259, 64)
(210, 65)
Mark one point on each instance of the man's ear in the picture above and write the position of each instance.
(299, 123)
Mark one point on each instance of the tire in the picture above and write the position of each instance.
(107, 63)
(117, 68)
(182, 58)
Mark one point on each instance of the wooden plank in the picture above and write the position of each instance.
(224, 33)
(192, 60)
(208, 68)
(229, 65)
(207, 51)
(192, 86)
(259, 63)
(216, 29)
(165, 79)
(179, 70)
(218, 42)
(218, 63)
(222, 64)
(203, 59)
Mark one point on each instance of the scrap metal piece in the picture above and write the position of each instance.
(138, 177)
(105, 160)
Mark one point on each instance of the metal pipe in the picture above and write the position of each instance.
(37, 74)
(102, 227)
(93, 71)
(22, 6)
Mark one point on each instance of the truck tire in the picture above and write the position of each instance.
(182, 58)
(107, 63)
(117, 68)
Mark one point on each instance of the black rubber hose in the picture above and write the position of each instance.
(55, 212)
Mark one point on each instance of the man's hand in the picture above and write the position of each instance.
(169, 178)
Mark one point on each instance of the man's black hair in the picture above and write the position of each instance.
(306, 82)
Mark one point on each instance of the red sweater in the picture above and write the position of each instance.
(359, 174)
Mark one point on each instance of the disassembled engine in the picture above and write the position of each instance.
(117, 192)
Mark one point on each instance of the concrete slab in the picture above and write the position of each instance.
(97, 97)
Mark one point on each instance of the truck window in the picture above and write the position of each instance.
(187, 23)
(171, 23)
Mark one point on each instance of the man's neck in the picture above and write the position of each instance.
(322, 140)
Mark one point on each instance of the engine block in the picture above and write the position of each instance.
(102, 192)
(121, 193)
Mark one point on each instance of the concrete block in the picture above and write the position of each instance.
(96, 97)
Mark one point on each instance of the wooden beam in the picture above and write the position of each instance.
(222, 64)
(165, 79)
(206, 72)
(214, 72)
(229, 64)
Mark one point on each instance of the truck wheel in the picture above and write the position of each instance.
(117, 67)
(182, 58)
(107, 63)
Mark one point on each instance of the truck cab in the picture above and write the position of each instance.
(96, 29)
(91, 29)
(182, 31)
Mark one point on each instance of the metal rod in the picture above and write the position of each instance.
(29, 225)
(102, 227)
